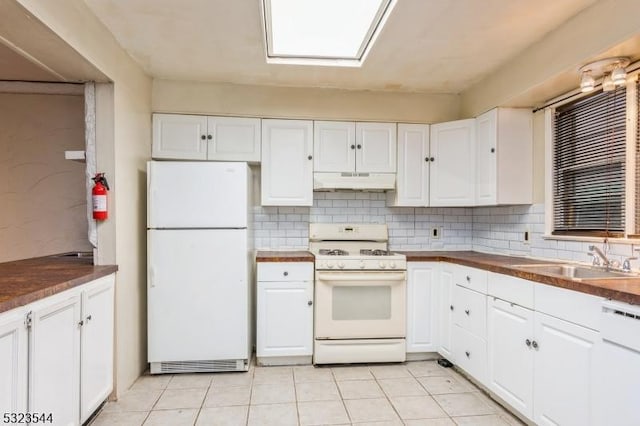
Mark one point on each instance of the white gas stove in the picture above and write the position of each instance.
(360, 292)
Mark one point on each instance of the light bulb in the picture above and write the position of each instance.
(607, 83)
(587, 83)
(619, 75)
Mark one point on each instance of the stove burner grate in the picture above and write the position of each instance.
(333, 252)
(377, 252)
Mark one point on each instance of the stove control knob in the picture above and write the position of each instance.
(340, 264)
(383, 265)
(362, 264)
(329, 265)
(392, 265)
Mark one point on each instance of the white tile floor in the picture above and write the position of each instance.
(414, 393)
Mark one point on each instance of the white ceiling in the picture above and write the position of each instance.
(433, 46)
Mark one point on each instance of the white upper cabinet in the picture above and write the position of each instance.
(195, 137)
(453, 165)
(233, 139)
(376, 147)
(504, 169)
(334, 146)
(287, 163)
(179, 137)
(413, 166)
(347, 147)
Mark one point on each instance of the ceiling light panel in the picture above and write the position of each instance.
(321, 29)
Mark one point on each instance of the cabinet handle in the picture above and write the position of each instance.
(426, 159)
(285, 273)
(451, 307)
(432, 159)
(353, 147)
(468, 354)
(309, 157)
(493, 150)
(466, 311)
(534, 344)
(209, 137)
(528, 343)
(88, 318)
(81, 323)
(359, 146)
(468, 279)
(203, 137)
(310, 303)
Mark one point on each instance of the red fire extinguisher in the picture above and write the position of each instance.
(99, 197)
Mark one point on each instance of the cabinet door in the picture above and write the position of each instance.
(563, 366)
(233, 139)
(421, 306)
(96, 345)
(285, 319)
(179, 137)
(510, 374)
(486, 164)
(287, 166)
(452, 171)
(446, 309)
(334, 146)
(54, 364)
(413, 165)
(376, 147)
(13, 362)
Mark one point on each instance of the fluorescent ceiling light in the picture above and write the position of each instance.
(322, 32)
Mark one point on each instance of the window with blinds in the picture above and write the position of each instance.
(589, 166)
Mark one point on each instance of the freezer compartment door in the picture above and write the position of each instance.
(197, 195)
(198, 295)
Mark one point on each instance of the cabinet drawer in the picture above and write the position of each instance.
(470, 311)
(475, 279)
(285, 271)
(573, 306)
(511, 289)
(471, 353)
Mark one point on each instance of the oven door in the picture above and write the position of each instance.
(360, 304)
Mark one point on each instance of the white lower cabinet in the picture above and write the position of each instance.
(13, 362)
(563, 368)
(54, 358)
(510, 372)
(541, 365)
(284, 312)
(96, 344)
(56, 354)
(445, 310)
(422, 303)
(470, 332)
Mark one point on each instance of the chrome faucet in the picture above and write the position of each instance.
(596, 260)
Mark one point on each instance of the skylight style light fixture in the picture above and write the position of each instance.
(322, 32)
(612, 70)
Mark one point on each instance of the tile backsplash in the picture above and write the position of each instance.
(497, 230)
(409, 228)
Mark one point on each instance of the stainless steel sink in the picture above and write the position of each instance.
(576, 272)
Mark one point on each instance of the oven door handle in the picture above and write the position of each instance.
(360, 276)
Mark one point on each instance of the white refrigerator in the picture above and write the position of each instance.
(199, 266)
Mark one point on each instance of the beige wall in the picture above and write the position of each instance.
(128, 149)
(272, 101)
(43, 208)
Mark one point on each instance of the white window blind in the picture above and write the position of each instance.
(589, 165)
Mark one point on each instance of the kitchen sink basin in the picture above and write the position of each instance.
(576, 272)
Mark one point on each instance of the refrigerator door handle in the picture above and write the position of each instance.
(152, 276)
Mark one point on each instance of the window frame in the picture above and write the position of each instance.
(631, 231)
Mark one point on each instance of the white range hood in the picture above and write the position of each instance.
(355, 181)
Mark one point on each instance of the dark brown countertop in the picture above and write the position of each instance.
(25, 281)
(622, 289)
(284, 256)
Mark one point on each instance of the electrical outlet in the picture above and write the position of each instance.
(435, 233)
(526, 236)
